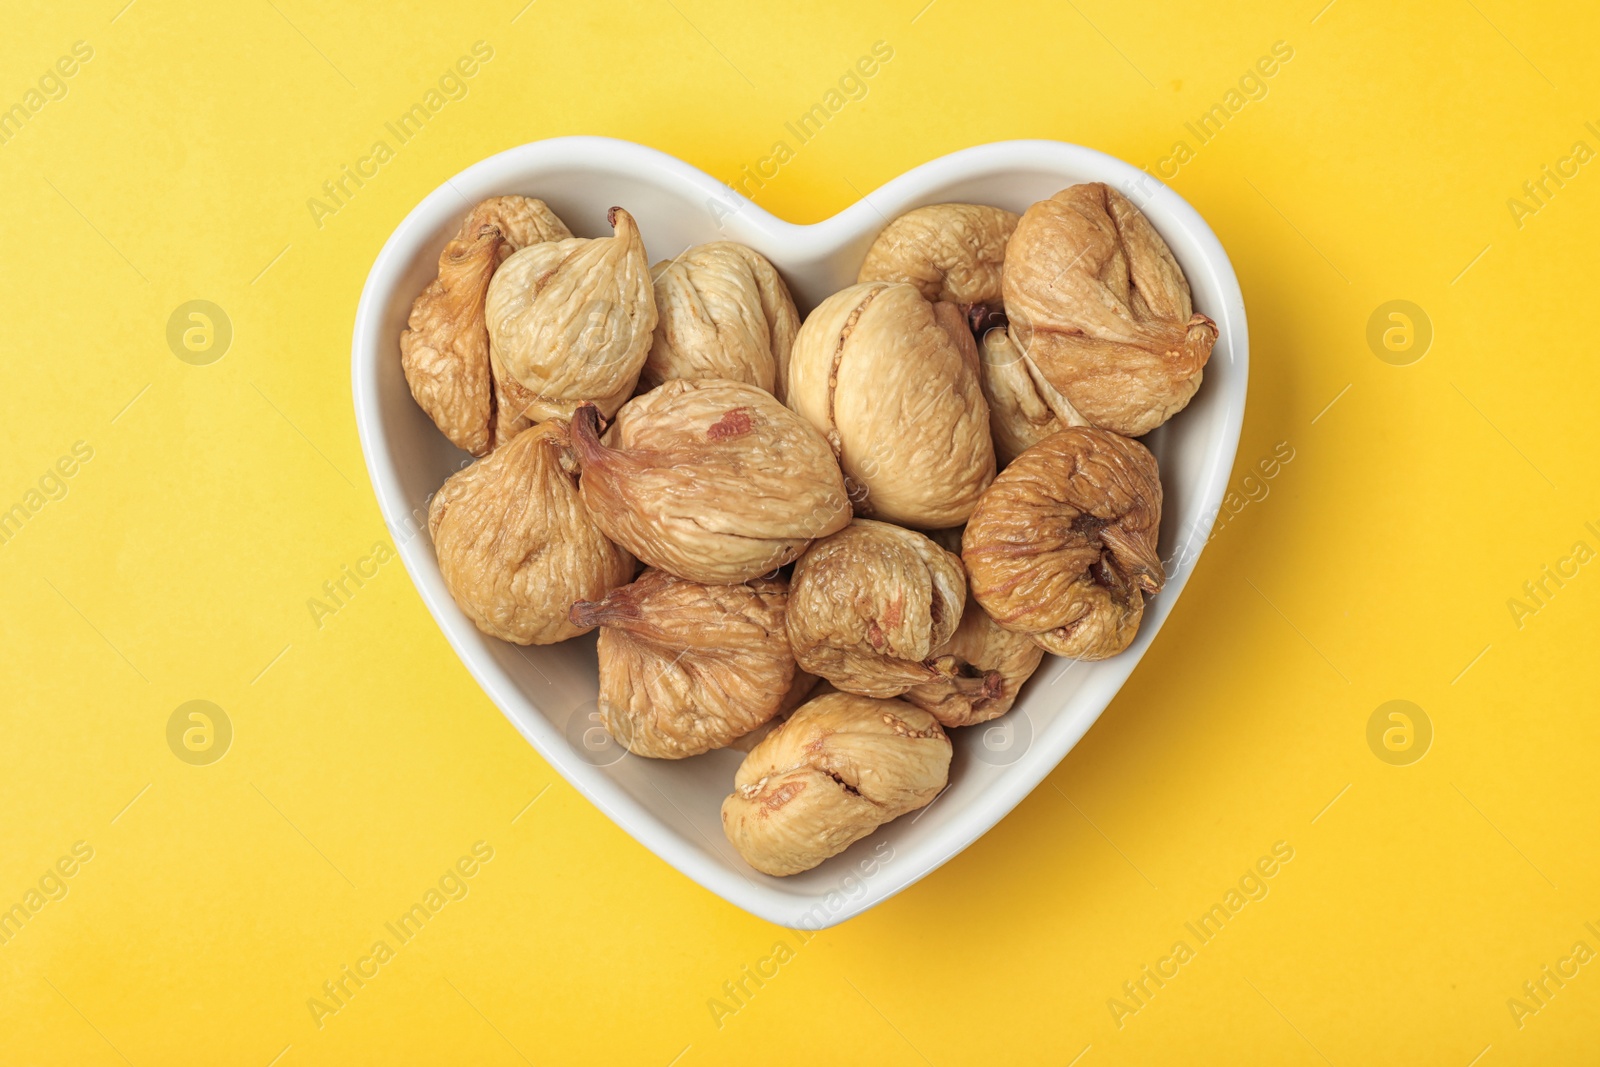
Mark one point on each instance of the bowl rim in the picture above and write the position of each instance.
(762, 896)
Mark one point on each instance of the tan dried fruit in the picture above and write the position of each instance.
(522, 220)
(712, 480)
(949, 252)
(842, 766)
(892, 382)
(444, 349)
(687, 667)
(723, 313)
(516, 545)
(571, 321)
(1024, 409)
(870, 606)
(989, 664)
(1063, 544)
(1101, 307)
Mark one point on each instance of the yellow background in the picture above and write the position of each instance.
(365, 761)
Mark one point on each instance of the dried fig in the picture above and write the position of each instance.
(989, 664)
(1063, 544)
(1024, 409)
(723, 313)
(711, 480)
(870, 605)
(1099, 305)
(892, 381)
(522, 220)
(949, 252)
(686, 667)
(570, 321)
(444, 349)
(516, 545)
(842, 766)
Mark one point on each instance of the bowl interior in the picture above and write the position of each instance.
(549, 693)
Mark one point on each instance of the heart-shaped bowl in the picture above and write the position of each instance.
(549, 693)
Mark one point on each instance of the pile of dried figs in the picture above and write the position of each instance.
(827, 542)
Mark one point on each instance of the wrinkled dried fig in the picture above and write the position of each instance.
(570, 321)
(444, 350)
(870, 605)
(892, 382)
(711, 480)
(949, 252)
(723, 313)
(516, 545)
(842, 766)
(989, 663)
(1024, 409)
(522, 220)
(1103, 310)
(686, 667)
(1063, 544)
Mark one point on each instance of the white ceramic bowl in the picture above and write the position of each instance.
(672, 807)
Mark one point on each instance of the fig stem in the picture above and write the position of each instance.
(981, 318)
(587, 613)
(615, 608)
(586, 434)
